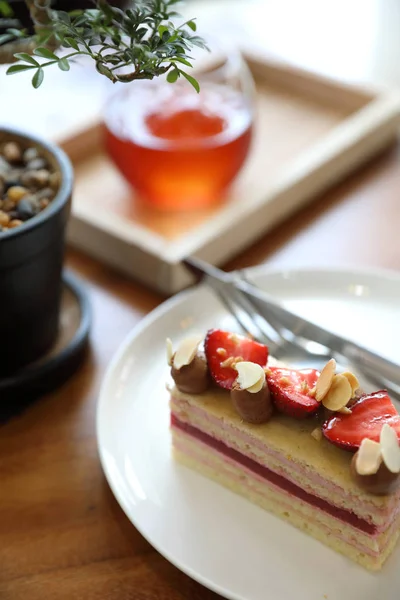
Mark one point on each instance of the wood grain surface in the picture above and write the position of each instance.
(62, 534)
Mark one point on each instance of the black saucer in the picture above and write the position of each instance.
(52, 370)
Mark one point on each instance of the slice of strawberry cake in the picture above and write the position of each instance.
(309, 446)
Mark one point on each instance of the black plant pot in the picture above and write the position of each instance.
(31, 259)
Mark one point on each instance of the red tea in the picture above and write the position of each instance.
(177, 148)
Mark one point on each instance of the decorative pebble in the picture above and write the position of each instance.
(4, 218)
(16, 192)
(46, 193)
(9, 182)
(8, 204)
(13, 214)
(25, 209)
(12, 152)
(30, 154)
(44, 202)
(28, 183)
(41, 177)
(4, 165)
(36, 164)
(14, 223)
(36, 179)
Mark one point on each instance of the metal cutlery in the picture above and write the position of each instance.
(287, 334)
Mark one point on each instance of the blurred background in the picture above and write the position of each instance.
(354, 40)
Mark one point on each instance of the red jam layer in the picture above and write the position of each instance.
(278, 480)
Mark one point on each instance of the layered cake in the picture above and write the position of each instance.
(308, 446)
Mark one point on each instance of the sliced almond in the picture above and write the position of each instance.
(233, 337)
(304, 387)
(390, 448)
(221, 352)
(345, 410)
(339, 393)
(369, 457)
(257, 386)
(232, 361)
(353, 381)
(325, 380)
(311, 392)
(228, 362)
(317, 434)
(250, 377)
(186, 351)
(170, 351)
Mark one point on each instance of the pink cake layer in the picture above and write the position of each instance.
(181, 443)
(276, 479)
(372, 512)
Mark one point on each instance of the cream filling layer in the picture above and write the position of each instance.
(283, 465)
(247, 480)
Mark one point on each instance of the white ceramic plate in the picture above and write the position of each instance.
(216, 537)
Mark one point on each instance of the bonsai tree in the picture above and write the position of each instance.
(137, 42)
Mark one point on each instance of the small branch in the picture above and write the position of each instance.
(127, 77)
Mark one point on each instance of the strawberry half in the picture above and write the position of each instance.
(368, 415)
(220, 346)
(289, 391)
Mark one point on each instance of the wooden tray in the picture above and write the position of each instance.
(311, 132)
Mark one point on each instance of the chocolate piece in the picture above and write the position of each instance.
(381, 483)
(252, 407)
(193, 378)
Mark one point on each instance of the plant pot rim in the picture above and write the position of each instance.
(64, 191)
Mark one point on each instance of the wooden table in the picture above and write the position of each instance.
(62, 534)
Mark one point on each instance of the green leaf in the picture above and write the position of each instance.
(18, 69)
(162, 29)
(63, 17)
(71, 42)
(37, 79)
(82, 20)
(44, 36)
(106, 10)
(192, 25)
(95, 41)
(59, 37)
(18, 33)
(63, 64)
(5, 9)
(104, 70)
(141, 32)
(173, 76)
(116, 39)
(198, 41)
(45, 53)
(93, 13)
(191, 80)
(25, 57)
(182, 60)
(112, 60)
(6, 37)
